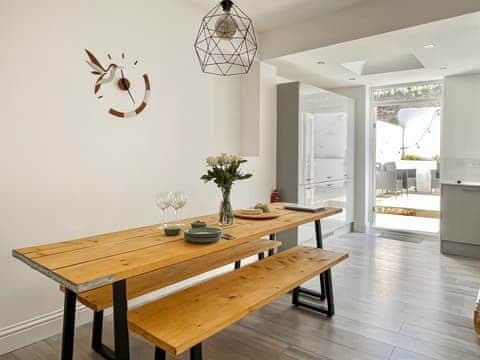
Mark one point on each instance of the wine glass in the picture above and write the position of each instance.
(163, 203)
(177, 201)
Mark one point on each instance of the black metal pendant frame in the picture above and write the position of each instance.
(230, 54)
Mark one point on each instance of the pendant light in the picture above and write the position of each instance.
(226, 43)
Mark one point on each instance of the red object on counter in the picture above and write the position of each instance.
(275, 197)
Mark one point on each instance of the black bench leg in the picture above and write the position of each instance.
(325, 285)
(196, 352)
(319, 241)
(160, 354)
(261, 256)
(68, 324)
(238, 264)
(329, 293)
(97, 331)
(295, 296)
(272, 237)
(329, 310)
(120, 308)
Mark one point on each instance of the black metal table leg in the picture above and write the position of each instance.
(238, 264)
(325, 285)
(160, 354)
(196, 352)
(68, 335)
(120, 308)
(271, 252)
(319, 241)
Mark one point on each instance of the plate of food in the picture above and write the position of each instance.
(258, 212)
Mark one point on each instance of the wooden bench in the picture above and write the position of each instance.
(101, 298)
(183, 320)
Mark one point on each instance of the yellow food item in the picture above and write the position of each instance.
(264, 207)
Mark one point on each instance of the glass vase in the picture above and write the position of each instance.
(225, 214)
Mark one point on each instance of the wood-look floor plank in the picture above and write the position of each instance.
(8, 356)
(293, 353)
(453, 341)
(401, 354)
(278, 316)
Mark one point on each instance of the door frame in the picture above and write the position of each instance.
(372, 149)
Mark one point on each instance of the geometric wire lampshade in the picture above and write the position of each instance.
(226, 43)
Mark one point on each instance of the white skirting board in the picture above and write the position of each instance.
(41, 327)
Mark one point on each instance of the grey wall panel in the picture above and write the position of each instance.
(288, 109)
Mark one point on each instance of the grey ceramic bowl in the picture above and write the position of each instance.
(198, 224)
(172, 231)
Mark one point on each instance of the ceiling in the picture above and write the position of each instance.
(426, 52)
(267, 15)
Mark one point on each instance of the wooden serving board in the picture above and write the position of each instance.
(264, 216)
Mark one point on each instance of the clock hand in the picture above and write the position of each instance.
(125, 85)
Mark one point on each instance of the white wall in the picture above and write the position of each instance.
(265, 123)
(366, 18)
(68, 169)
(250, 112)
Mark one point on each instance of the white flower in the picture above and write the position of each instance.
(229, 159)
(223, 159)
(212, 161)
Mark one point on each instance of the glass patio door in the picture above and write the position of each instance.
(406, 174)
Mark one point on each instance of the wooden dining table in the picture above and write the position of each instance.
(88, 263)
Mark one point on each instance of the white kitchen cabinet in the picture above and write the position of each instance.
(315, 151)
(460, 226)
(326, 136)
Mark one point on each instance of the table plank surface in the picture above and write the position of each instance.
(95, 261)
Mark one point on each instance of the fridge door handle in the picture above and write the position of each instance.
(471, 189)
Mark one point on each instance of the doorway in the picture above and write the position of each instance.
(406, 153)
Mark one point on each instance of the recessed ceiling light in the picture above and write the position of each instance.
(429, 46)
(321, 62)
(352, 79)
(443, 67)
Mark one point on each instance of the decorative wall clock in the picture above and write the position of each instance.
(126, 88)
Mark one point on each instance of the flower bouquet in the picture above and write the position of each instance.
(224, 170)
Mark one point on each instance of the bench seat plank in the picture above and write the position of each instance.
(184, 319)
(101, 298)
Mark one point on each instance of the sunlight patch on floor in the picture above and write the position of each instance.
(408, 223)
